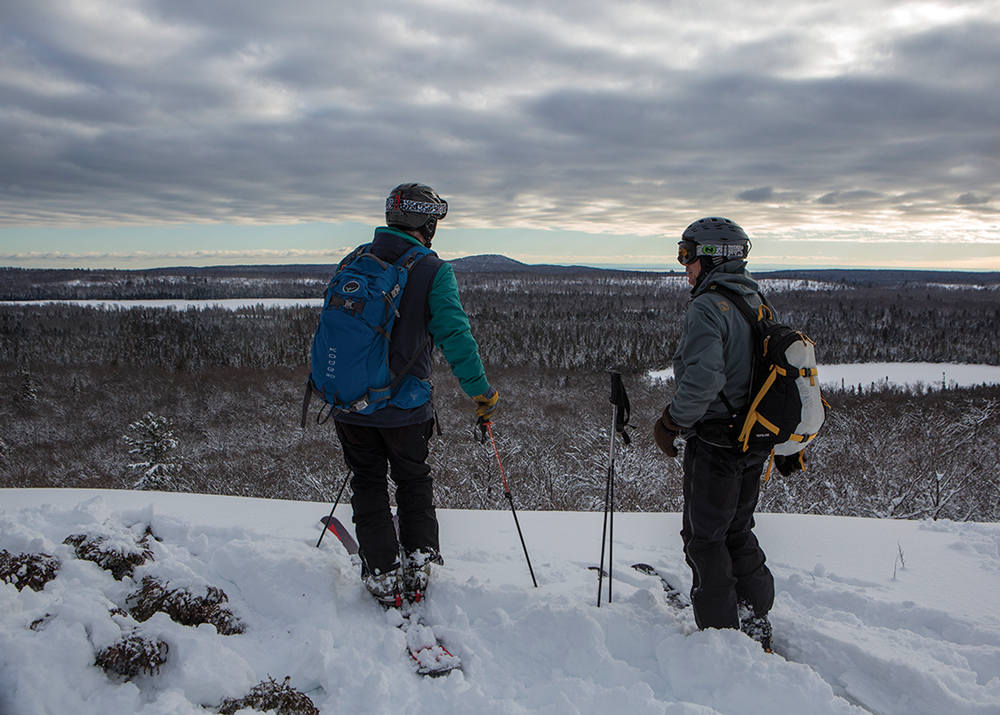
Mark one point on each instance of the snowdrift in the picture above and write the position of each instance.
(873, 616)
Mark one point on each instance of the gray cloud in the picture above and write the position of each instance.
(971, 199)
(761, 195)
(598, 114)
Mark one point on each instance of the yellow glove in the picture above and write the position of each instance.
(486, 404)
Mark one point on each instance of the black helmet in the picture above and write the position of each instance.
(716, 240)
(415, 206)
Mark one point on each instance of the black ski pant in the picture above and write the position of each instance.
(372, 454)
(721, 489)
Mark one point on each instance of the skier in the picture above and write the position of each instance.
(732, 587)
(393, 441)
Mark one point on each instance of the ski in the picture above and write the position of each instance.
(675, 597)
(334, 524)
(428, 654)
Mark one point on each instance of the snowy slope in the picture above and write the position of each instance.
(879, 616)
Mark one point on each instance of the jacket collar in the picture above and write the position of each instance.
(732, 274)
(382, 230)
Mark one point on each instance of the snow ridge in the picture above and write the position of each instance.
(855, 630)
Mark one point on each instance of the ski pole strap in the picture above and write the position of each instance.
(310, 388)
(623, 410)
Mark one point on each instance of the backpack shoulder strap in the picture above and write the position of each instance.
(352, 256)
(407, 261)
(740, 302)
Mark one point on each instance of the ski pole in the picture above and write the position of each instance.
(335, 503)
(621, 410)
(609, 493)
(487, 427)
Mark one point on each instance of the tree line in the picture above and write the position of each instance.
(74, 381)
(627, 321)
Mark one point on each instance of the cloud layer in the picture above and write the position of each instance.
(593, 115)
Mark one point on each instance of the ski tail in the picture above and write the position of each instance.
(675, 597)
(340, 531)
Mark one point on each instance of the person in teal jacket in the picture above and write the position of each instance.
(731, 585)
(393, 441)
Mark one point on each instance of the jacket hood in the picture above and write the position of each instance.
(731, 274)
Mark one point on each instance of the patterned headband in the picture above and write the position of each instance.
(417, 207)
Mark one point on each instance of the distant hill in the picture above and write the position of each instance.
(495, 263)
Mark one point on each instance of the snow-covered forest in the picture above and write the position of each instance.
(229, 381)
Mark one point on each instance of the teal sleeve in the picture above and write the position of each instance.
(449, 327)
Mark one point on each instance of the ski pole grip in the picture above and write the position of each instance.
(619, 398)
(617, 389)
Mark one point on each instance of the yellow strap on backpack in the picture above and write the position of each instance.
(752, 416)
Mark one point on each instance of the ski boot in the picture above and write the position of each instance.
(757, 627)
(417, 573)
(387, 588)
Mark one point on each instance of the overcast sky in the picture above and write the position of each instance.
(193, 132)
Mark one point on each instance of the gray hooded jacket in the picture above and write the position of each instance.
(715, 352)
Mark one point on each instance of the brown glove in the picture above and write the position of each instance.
(788, 465)
(665, 431)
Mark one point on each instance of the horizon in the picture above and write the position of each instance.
(314, 244)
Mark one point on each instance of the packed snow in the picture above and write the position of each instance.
(893, 617)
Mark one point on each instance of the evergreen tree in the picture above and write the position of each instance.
(152, 442)
(27, 394)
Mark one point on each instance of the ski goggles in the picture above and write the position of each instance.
(688, 251)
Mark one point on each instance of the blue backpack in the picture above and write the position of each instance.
(350, 350)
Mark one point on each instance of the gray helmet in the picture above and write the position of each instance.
(415, 206)
(715, 240)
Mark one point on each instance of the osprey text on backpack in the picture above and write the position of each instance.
(350, 350)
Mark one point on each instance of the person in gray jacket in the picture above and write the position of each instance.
(732, 587)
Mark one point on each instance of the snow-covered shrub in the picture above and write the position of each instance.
(151, 441)
(119, 555)
(184, 607)
(27, 394)
(271, 696)
(31, 570)
(133, 655)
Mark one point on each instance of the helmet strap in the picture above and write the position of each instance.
(428, 230)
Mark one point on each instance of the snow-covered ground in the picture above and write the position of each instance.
(893, 617)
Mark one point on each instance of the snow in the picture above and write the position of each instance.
(910, 374)
(893, 617)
